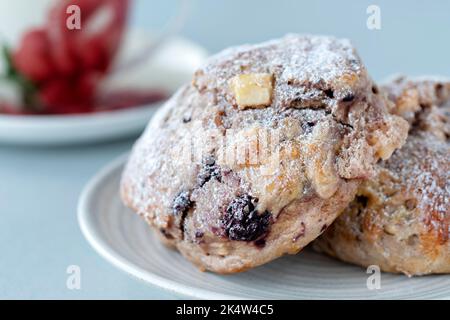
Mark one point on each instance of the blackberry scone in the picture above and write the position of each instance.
(261, 152)
(400, 220)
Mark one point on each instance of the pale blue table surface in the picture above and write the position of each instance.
(39, 187)
(39, 233)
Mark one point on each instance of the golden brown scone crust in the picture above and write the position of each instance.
(229, 215)
(400, 220)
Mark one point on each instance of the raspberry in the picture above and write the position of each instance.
(32, 57)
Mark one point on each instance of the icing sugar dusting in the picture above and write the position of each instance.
(302, 64)
(426, 171)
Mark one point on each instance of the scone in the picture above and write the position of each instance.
(261, 152)
(400, 220)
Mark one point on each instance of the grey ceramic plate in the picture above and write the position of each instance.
(123, 239)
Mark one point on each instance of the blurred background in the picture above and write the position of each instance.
(412, 38)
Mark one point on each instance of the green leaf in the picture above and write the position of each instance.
(27, 88)
(7, 57)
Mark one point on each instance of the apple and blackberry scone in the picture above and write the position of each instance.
(261, 152)
(400, 220)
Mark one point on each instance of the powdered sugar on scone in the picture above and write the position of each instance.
(400, 219)
(264, 147)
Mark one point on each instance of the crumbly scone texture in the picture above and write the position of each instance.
(400, 220)
(261, 152)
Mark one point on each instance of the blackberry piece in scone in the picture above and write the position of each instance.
(261, 152)
(400, 219)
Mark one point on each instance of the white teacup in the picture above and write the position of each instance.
(17, 16)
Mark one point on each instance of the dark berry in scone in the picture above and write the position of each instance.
(400, 219)
(243, 222)
(265, 147)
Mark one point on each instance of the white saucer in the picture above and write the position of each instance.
(126, 241)
(171, 65)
